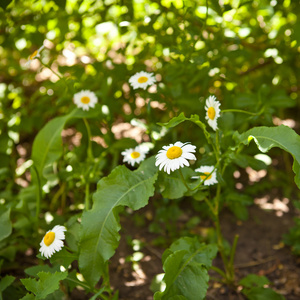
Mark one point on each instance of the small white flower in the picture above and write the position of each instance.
(134, 155)
(34, 55)
(142, 80)
(212, 111)
(175, 156)
(52, 241)
(209, 175)
(85, 99)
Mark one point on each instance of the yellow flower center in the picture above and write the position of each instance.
(49, 238)
(85, 100)
(211, 113)
(142, 79)
(174, 152)
(33, 54)
(204, 177)
(135, 154)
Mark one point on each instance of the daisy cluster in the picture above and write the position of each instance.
(176, 156)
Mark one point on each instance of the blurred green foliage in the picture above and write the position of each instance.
(244, 52)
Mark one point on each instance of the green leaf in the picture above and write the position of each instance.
(5, 3)
(260, 293)
(174, 121)
(253, 280)
(238, 204)
(244, 160)
(47, 146)
(281, 99)
(63, 258)
(47, 284)
(61, 3)
(99, 235)
(282, 137)
(215, 5)
(33, 271)
(171, 185)
(5, 223)
(6, 282)
(186, 265)
(28, 297)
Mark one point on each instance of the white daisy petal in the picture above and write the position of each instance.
(175, 156)
(212, 111)
(134, 155)
(189, 156)
(52, 241)
(85, 99)
(34, 55)
(142, 80)
(209, 174)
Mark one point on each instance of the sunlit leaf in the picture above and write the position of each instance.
(99, 235)
(47, 283)
(47, 146)
(282, 137)
(5, 223)
(186, 264)
(5, 282)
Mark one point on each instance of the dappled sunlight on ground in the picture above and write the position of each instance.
(280, 206)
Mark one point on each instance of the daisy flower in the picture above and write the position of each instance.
(142, 80)
(134, 155)
(212, 111)
(209, 174)
(53, 241)
(34, 55)
(85, 99)
(175, 156)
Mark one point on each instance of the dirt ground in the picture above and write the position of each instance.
(259, 251)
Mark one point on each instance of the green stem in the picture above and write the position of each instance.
(106, 280)
(183, 180)
(39, 195)
(210, 206)
(87, 196)
(54, 72)
(219, 271)
(243, 111)
(232, 254)
(89, 149)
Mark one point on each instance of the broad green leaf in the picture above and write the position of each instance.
(63, 258)
(260, 293)
(5, 223)
(282, 137)
(6, 282)
(33, 271)
(28, 297)
(47, 283)
(47, 146)
(253, 280)
(99, 235)
(192, 245)
(186, 265)
(171, 185)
